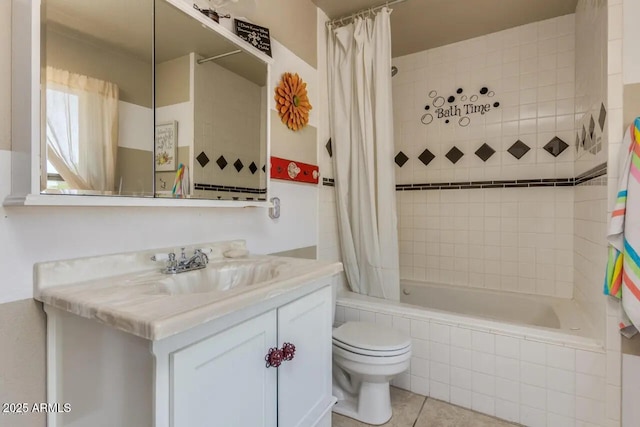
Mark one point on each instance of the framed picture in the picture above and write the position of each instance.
(166, 146)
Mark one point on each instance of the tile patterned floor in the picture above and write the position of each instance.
(412, 410)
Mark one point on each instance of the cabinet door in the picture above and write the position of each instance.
(223, 380)
(304, 383)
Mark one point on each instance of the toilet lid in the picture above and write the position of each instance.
(372, 337)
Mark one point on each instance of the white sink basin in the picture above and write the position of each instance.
(216, 277)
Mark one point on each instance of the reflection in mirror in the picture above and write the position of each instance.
(210, 112)
(98, 102)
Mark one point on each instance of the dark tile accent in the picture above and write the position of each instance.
(592, 127)
(222, 162)
(596, 172)
(329, 148)
(401, 159)
(202, 159)
(518, 149)
(426, 157)
(238, 165)
(228, 189)
(584, 136)
(454, 155)
(555, 147)
(485, 152)
(603, 117)
(264, 167)
(253, 168)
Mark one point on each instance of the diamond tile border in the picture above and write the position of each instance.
(222, 162)
(519, 149)
(485, 152)
(454, 155)
(329, 148)
(202, 159)
(401, 159)
(426, 157)
(555, 147)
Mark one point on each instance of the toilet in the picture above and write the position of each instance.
(366, 356)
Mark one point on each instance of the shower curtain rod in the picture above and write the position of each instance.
(345, 19)
(213, 58)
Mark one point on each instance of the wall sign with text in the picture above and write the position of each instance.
(458, 108)
(256, 35)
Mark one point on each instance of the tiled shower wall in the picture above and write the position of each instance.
(591, 200)
(505, 235)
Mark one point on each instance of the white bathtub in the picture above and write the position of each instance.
(508, 355)
(547, 312)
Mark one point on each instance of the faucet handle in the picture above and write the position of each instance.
(162, 257)
(183, 256)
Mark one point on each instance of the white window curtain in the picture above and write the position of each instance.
(82, 129)
(361, 115)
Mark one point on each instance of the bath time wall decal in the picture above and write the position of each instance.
(463, 110)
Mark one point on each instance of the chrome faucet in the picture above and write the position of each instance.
(197, 261)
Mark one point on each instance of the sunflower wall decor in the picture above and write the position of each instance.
(292, 101)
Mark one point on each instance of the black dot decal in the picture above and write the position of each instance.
(496, 104)
(451, 99)
(427, 107)
(484, 91)
(446, 121)
(459, 90)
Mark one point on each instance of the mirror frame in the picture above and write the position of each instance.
(27, 117)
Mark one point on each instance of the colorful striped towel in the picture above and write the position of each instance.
(623, 268)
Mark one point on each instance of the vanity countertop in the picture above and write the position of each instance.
(132, 302)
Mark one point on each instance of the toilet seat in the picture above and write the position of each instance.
(369, 339)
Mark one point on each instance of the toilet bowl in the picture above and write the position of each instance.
(366, 357)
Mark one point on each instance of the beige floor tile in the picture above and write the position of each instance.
(406, 408)
(440, 414)
(340, 421)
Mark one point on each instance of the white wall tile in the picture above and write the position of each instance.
(460, 397)
(533, 351)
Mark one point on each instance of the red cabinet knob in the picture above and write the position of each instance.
(288, 350)
(274, 358)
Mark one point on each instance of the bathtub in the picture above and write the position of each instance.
(526, 359)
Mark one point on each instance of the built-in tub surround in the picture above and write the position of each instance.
(142, 301)
(530, 375)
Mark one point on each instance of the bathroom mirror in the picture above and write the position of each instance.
(149, 99)
(97, 75)
(210, 112)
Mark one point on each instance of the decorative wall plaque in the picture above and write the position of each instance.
(256, 35)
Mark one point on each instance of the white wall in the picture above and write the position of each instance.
(627, 47)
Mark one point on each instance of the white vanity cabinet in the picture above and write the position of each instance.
(143, 349)
(224, 380)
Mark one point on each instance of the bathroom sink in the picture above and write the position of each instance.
(216, 277)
